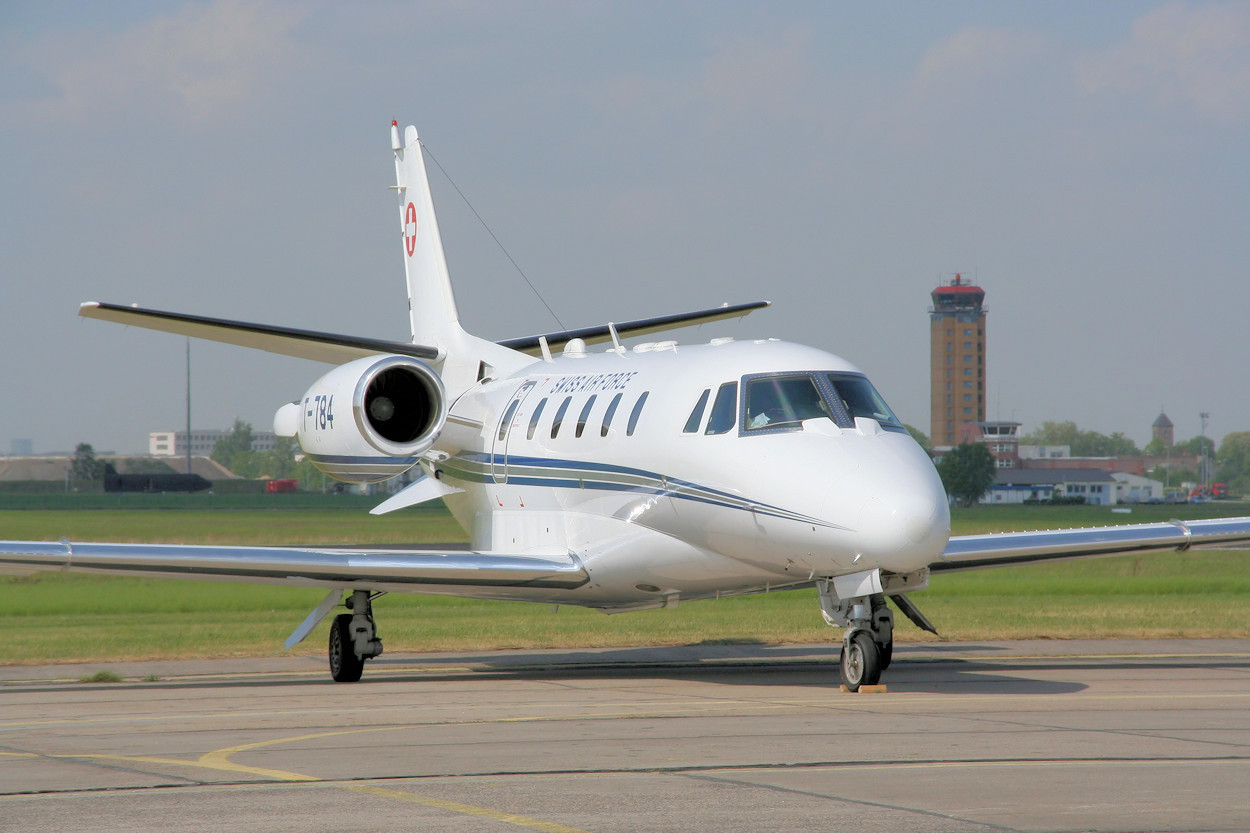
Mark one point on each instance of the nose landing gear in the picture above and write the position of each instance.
(868, 639)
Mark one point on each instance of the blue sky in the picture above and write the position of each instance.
(1085, 162)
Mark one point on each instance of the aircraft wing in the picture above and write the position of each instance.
(641, 326)
(965, 552)
(397, 569)
(334, 348)
(287, 341)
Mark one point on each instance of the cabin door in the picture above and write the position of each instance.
(513, 413)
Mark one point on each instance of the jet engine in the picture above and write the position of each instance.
(367, 420)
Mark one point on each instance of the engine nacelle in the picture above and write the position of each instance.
(367, 420)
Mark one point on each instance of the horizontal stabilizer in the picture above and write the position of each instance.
(626, 329)
(304, 344)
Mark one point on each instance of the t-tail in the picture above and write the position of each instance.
(435, 321)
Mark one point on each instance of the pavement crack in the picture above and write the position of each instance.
(859, 802)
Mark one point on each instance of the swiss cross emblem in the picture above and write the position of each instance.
(410, 228)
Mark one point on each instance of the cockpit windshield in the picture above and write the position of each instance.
(859, 398)
(775, 401)
(784, 401)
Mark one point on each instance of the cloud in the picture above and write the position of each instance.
(1198, 56)
(762, 76)
(197, 63)
(974, 55)
(969, 89)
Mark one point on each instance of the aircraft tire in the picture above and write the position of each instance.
(860, 661)
(885, 652)
(345, 666)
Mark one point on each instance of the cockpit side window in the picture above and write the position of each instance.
(696, 415)
(859, 398)
(782, 401)
(724, 409)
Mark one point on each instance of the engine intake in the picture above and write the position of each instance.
(368, 420)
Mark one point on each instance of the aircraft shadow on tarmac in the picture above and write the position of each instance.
(919, 668)
(738, 664)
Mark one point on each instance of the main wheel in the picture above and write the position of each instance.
(860, 662)
(345, 666)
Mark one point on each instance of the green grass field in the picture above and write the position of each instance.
(63, 618)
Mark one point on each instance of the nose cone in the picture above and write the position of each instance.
(904, 531)
(903, 523)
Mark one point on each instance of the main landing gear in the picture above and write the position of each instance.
(868, 638)
(353, 639)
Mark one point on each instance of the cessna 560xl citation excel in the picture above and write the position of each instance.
(614, 478)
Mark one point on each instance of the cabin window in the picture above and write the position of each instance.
(782, 401)
(555, 424)
(538, 412)
(507, 418)
(609, 413)
(696, 415)
(635, 413)
(724, 409)
(585, 414)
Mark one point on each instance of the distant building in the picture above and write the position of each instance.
(956, 359)
(22, 448)
(174, 443)
(1097, 487)
(1044, 452)
(1161, 430)
(1001, 438)
(1130, 488)
(59, 468)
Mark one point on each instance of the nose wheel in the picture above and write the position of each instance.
(860, 662)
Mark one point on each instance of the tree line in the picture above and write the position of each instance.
(968, 470)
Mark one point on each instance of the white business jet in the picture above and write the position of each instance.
(616, 478)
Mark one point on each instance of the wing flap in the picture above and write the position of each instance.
(641, 326)
(304, 567)
(331, 348)
(998, 549)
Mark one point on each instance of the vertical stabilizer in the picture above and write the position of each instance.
(431, 304)
(464, 359)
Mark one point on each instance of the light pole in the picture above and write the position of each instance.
(1206, 490)
(188, 406)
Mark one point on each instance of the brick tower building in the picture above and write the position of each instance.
(956, 359)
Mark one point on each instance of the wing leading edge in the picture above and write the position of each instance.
(332, 568)
(331, 348)
(334, 348)
(641, 326)
(965, 552)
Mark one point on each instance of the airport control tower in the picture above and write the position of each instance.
(956, 359)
